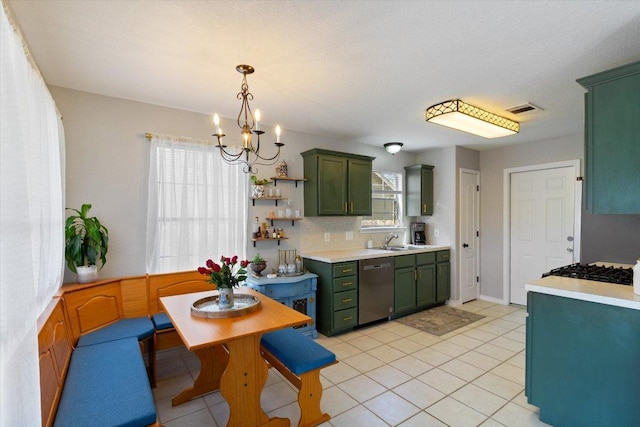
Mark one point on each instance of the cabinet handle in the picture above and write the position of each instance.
(347, 283)
(351, 207)
(347, 300)
(347, 318)
(348, 270)
(424, 208)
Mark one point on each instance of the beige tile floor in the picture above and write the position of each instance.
(390, 375)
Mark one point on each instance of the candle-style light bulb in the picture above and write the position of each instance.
(216, 121)
(246, 140)
(278, 133)
(257, 119)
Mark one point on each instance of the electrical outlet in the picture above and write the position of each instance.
(436, 232)
(349, 235)
(327, 237)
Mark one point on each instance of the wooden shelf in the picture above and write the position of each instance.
(292, 219)
(253, 199)
(254, 240)
(286, 178)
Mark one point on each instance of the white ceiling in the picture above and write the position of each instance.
(360, 70)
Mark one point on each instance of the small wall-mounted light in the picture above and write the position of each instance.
(393, 147)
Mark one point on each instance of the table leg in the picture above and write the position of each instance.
(242, 384)
(213, 361)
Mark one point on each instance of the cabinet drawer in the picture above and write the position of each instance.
(344, 283)
(345, 269)
(442, 256)
(342, 300)
(426, 258)
(345, 318)
(402, 261)
(278, 291)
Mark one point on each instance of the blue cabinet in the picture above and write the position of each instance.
(296, 292)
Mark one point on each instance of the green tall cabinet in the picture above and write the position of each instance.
(337, 184)
(612, 150)
(419, 190)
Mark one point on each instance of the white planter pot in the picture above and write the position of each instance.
(87, 274)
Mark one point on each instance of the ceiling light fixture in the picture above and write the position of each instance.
(393, 147)
(459, 115)
(248, 155)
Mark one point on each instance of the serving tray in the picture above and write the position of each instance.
(208, 307)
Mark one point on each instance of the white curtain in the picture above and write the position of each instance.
(197, 205)
(31, 221)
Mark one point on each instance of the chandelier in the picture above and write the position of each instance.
(249, 154)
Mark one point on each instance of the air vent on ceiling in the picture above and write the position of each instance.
(524, 108)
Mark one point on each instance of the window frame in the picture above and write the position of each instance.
(400, 203)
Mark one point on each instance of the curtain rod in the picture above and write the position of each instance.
(150, 136)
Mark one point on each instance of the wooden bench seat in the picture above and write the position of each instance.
(98, 384)
(300, 360)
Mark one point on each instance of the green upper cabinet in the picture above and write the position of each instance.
(337, 184)
(419, 190)
(612, 149)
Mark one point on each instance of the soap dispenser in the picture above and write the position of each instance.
(636, 278)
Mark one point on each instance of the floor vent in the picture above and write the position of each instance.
(525, 108)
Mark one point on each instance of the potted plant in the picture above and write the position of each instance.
(258, 264)
(227, 275)
(86, 241)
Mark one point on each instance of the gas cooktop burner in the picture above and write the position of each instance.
(599, 273)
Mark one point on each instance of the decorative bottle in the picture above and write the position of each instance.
(636, 278)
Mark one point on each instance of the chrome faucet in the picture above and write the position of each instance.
(388, 238)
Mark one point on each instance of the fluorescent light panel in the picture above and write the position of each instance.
(459, 115)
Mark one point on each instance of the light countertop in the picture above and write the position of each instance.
(343, 255)
(586, 290)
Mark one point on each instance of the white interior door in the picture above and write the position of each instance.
(542, 225)
(469, 230)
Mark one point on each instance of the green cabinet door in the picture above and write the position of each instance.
(332, 185)
(359, 187)
(443, 281)
(426, 285)
(404, 290)
(612, 140)
(419, 190)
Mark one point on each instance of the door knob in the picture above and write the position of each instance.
(465, 245)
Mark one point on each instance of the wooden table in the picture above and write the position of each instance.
(229, 353)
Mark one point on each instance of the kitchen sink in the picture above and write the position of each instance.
(396, 248)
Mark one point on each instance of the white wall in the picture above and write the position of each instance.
(107, 166)
(492, 166)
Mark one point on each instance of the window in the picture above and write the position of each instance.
(197, 206)
(386, 201)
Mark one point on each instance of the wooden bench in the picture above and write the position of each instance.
(104, 381)
(300, 359)
(109, 310)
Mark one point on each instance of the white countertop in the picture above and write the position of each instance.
(586, 290)
(342, 255)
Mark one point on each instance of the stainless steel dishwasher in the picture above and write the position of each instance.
(375, 289)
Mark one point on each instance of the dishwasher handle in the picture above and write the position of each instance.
(377, 266)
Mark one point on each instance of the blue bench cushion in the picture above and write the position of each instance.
(136, 327)
(297, 352)
(161, 321)
(107, 385)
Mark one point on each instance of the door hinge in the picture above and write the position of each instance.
(477, 279)
(477, 234)
(579, 178)
(477, 188)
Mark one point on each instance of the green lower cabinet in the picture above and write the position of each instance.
(426, 285)
(337, 295)
(420, 282)
(443, 281)
(582, 362)
(404, 290)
